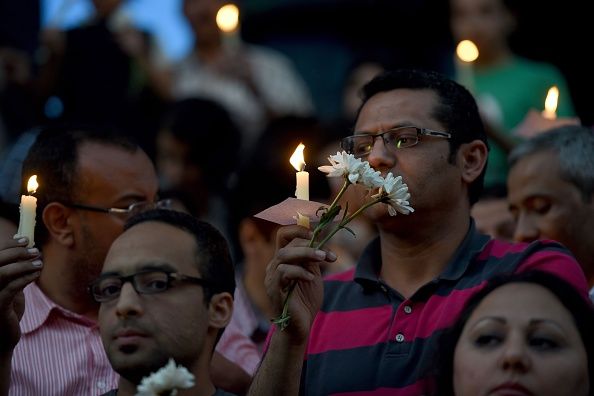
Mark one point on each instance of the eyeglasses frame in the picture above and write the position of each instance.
(171, 276)
(420, 132)
(164, 203)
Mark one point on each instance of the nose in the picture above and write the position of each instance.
(515, 354)
(129, 302)
(526, 229)
(380, 158)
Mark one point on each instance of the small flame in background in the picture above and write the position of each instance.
(467, 51)
(551, 103)
(228, 18)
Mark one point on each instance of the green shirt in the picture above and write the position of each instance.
(512, 89)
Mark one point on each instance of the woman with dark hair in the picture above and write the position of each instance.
(523, 334)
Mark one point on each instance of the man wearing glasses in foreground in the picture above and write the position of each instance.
(166, 291)
(373, 329)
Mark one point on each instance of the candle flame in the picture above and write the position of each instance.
(297, 159)
(467, 51)
(228, 18)
(551, 103)
(32, 184)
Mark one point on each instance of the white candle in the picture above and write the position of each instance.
(302, 191)
(27, 209)
(467, 52)
(550, 111)
(302, 178)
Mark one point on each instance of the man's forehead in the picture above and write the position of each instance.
(103, 166)
(415, 106)
(148, 242)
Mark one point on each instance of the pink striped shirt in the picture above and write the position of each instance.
(59, 353)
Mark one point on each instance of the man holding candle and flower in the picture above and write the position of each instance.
(373, 329)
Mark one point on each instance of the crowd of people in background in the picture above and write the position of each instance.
(147, 248)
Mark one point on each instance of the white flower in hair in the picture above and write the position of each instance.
(166, 381)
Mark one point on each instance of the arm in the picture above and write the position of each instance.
(280, 371)
(235, 359)
(228, 376)
(16, 271)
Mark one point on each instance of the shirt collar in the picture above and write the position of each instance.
(370, 263)
(39, 308)
(473, 244)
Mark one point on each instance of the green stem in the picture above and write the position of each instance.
(347, 220)
(346, 185)
(283, 320)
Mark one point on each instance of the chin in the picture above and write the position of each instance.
(137, 365)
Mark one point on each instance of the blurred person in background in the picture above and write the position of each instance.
(197, 152)
(507, 86)
(551, 191)
(254, 83)
(104, 72)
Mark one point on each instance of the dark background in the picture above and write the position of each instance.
(325, 37)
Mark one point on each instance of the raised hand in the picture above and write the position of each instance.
(293, 262)
(19, 266)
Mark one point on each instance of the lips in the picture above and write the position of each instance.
(128, 336)
(510, 389)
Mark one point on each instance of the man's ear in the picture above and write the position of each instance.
(472, 158)
(220, 309)
(58, 221)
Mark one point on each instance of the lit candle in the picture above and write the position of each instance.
(302, 190)
(27, 209)
(228, 22)
(551, 103)
(467, 52)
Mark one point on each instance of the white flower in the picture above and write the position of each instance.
(343, 164)
(371, 178)
(394, 193)
(166, 381)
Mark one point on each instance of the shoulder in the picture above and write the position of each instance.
(544, 255)
(267, 57)
(550, 256)
(537, 69)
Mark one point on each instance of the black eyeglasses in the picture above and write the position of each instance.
(108, 287)
(397, 138)
(135, 208)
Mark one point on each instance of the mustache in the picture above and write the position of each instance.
(129, 324)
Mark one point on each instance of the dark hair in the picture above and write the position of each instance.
(54, 159)
(574, 147)
(212, 255)
(213, 139)
(581, 311)
(457, 109)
